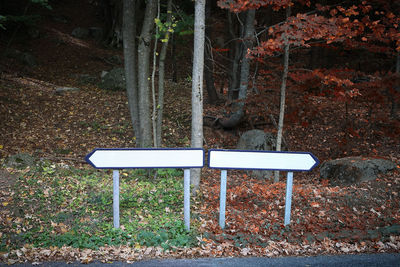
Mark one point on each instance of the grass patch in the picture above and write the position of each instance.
(53, 206)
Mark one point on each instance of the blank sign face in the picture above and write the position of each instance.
(264, 160)
(146, 158)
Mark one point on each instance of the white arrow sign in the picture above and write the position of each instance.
(124, 158)
(263, 160)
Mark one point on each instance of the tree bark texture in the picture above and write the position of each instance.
(143, 74)
(129, 42)
(113, 16)
(208, 62)
(247, 44)
(283, 94)
(153, 80)
(173, 59)
(197, 86)
(248, 32)
(235, 52)
(161, 74)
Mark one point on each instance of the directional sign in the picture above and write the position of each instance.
(262, 160)
(125, 158)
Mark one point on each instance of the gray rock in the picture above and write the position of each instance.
(20, 161)
(390, 230)
(352, 170)
(60, 90)
(81, 33)
(113, 80)
(86, 79)
(258, 140)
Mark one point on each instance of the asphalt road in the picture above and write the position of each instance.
(364, 260)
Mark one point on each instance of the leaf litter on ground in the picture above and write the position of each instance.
(65, 214)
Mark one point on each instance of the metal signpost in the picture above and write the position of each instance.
(130, 158)
(259, 160)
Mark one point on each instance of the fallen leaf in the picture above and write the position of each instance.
(314, 204)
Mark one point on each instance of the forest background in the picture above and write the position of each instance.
(336, 63)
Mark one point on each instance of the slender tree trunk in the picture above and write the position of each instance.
(243, 77)
(197, 85)
(129, 41)
(173, 56)
(113, 13)
(208, 62)
(283, 94)
(143, 74)
(153, 86)
(247, 44)
(161, 73)
(233, 55)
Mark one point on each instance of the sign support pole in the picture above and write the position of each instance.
(260, 160)
(116, 198)
(133, 158)
(186, 198)
(222, 199)
(288, 202)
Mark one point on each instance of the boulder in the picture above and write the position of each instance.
(258, 140)
(61, 90)
(352, 170)
(113, 80)
(86, 79)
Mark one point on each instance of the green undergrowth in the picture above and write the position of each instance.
(54, 206)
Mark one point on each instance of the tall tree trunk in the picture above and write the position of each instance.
(143, 74)
(238, 114)
(197, 86)
(235, 55)
(129, 41)
(247, 44)
(161, 74)
(208, 62)
(153, 78)
(173, 56)
(113, 13)
(283, 94)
